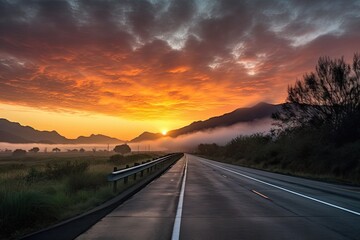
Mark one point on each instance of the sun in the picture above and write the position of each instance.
(164, 132)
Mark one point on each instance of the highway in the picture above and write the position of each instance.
(202, 199)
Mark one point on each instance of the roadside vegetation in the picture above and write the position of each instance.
(40, 189)
(317, 133)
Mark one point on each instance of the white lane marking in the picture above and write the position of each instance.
(177, 223)
(260, 194)
(289, 191)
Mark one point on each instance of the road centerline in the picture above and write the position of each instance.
(260, 194)
(287, 190)
(177, 223)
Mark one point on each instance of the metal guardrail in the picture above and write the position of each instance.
(117, 175)
(72, 228)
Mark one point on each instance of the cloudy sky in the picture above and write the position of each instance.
(122, 67)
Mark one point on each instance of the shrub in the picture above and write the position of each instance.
(246, 146)
(34, 150)
(122, 149)
(19, 153)
(210, 149)
(56, 149)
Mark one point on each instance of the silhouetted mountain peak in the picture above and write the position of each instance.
(258, 111)
(147, 136)
(262, 104)
(14, 132)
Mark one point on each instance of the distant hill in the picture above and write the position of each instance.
(17, 133)
(96, 138)
(260, 111)
(147, 136)
(13, 132)
(8, 137)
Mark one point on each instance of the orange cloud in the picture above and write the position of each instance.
(166, 61)
(179, 69)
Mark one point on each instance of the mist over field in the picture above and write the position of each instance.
(48, 147)
(220, 136)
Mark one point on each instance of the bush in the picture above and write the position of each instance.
(122, 149)
(19, 153)
(210, 149)
(56, 149)
(246, 146)
(34, 150)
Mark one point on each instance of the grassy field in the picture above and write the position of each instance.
(40, 189)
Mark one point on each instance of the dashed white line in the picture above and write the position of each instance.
(260, 194)
(177, 223)
(287, 190)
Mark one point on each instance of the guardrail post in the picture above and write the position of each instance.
(142, 171)
(126, 178)
(115, 182)
(135, 164)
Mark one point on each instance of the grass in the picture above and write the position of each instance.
(25, 209)
(42, 189)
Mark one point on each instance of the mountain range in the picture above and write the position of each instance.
(13, 132)
(241, 115)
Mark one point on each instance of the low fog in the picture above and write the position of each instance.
(220, 136)
(184, 143)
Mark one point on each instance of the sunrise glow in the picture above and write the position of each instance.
(66, 67)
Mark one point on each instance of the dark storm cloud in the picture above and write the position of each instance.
(99, 55)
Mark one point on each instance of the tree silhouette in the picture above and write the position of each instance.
(19, 153)
(122, 149)
(34, 150)
(329, 97)
(56, 149)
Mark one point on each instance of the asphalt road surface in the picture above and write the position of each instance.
(202, 199)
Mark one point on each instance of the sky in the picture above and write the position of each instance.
(123, 67)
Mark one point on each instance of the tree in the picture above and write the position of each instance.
(329, 97)
(34, 150)
(19, 153)
(122, 149)
(56, 149)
